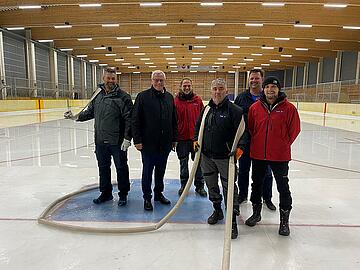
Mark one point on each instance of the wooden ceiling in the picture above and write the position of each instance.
(226, 48)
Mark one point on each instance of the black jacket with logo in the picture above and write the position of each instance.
(112, 114)
(154, 122)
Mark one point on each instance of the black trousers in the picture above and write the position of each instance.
(150, 162)
(183, 150)
(280, 171)
(104, 152)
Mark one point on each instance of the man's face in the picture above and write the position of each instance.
(271, 91)
(110, 80)
(255, 81)
(158, 81)
(186, 87)
(218, 93)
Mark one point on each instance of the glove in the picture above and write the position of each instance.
(237, 153)
(125, 145)
(196, 146)
(68, 114)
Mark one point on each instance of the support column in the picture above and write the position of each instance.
(357, 76)
(93, 70)
(2, 68)
(337, 69)
(70, 74)
(306, 74)
(319, 70)
(54, 71)
(236, 92)
(83, 79)
(31, 66)
(294, 77)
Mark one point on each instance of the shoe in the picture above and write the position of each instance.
(181, 190)
(104, 197)
(122, 200)
(161, 198)
(148, 205)
(270, 205)
(234, 231)
(201, 191)
(256, 216)
(284, 222)
(215, 217)
(242, 200)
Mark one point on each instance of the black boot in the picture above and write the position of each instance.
(201, 191)
(216, 215)
(181, 190)
(104, 197)
(234, 229)
(270, 205)
(284, 222)
(256, 216)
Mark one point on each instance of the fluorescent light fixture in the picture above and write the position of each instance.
(66, 49)
(352, 27)
(90, 5)
(212, 71)
(197, 53)
(193, 71)
(62, 26)
(15, 28)
(267, 48)
(123, 38)
(273, 4)
(231, 71)
(84, 39)
(165, 46)
(81, 55)
(286, 55)
(144, 59)
(149, 4)
(227, 53)
(93, 61)
(265, 65)
(205, 24)
(157, 24)
(174, 71)
(194, 66)
(196, 58)
(172, 63)
(195, 63)
(149, 63)
(222, 59)
(242, 37)
(100, 48)
(322, 40)
(133, 47)
(199, 46)
(257, 67)
(126, 64)
(254, 24)
(103, 65)
(30, 7)
(46, 40)
(303, 25)
(236, 66)
(131, 67)
(301, 49)
(202, 37)
(173, 66)
(170, 58)
(274, 61)
(257, 54)
(169, 53)
(215, 66)
(136, 72)
(139, 53)
(335, 5)
(282, 38)
(242, 64)
(152, 66)
(233, 47)
(119, 59)
(110, 25)
(248, 59)
(218, 63)
(110, 54)
(163, 37)
(118, 73)
(211, 4)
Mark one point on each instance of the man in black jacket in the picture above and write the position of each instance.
(245, 100)
(111, 109)
(154, 128)
(221, 124)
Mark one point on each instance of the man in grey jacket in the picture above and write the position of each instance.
(111, 109)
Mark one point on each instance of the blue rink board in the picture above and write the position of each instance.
(195, 209)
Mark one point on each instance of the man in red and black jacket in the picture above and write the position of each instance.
(274, 125)
(188, 107)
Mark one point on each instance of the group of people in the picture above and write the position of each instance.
(158, 123)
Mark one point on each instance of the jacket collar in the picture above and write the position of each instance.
(281, 98)
(223, 103)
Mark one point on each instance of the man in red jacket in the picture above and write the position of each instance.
(274, 125)
(188, 107)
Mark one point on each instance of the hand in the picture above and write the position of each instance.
(125, 145)
(68, 115)
(237, 153)
(196, 146)
(174, 144)
(138, 146)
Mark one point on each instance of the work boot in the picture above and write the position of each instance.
(161, 198)
(234, 228)
(201, 191)
(104, 197)
(284, 222)
(181, 190)
(215, 216)
(122, 200)
(148, 205)
(270, 205)
(256, 216)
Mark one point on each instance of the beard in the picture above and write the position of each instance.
(110, 86)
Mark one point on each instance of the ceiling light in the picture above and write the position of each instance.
(233, 47)
(248, 59)
(257, 67)
(131, 67)
(110, 25)
(215, 66)
(90, 5)
(227, 53)
(62, 26)
(139, 53)
(303, 25)
(242, 37)
(254, 24)
(222, 59)
(236, 66)
(286, 55)
(267, 48)
(165, 46)
(242, 64)
(144, 59)
(199, 46)
(133, 47)
(174, 71)
(126, 64)
(336, 5)
(66, 49)
(282, 38)
(110, 54)
(172, 63)
(29, 7)
(197, 53)
(46, 40)
(164, 37)
(202, 37)
(136, 72)
(123, 38)
(195, 63)
(218, 63)
(169, 53)
(211, 4)
(196, 58)
(157, 24)
(257, 54)
(84, 39)
(118, 73)
(149, 63)
(275, 61)
(119, 59)
(352, 27)
(152, 66)
(155, 4)
(205, 24)
(212, 71)
(231, 71)
(195, 66)
(103, 65)
(273, 4)
(173, 66)
(322, 40)
(193, 71)
(100, 48)
(15, 28)
(93, 61)
(171, 58)
(265, 65)
(81, 55)
(301, 49)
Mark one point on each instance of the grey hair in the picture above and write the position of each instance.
(218, 81)
(155, 72)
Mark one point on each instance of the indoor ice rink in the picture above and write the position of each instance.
(52, 56)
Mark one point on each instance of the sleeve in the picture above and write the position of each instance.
(136, 119)
(127, 116)
(87, 114)
(197, 125)
(174, 123)
(293, 124)
(250, 120)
